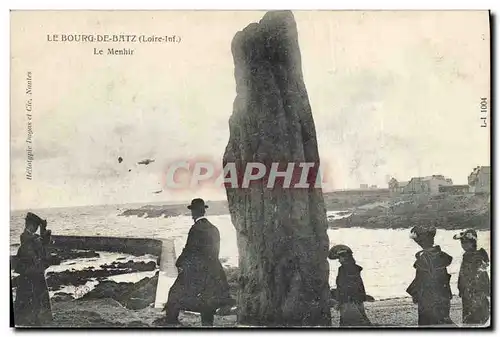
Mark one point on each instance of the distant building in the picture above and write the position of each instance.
(393, 186)
(363, 186)
(396, 187)
(373, 186)
(417, 185)
(454, 189)
(480, 180)
(429, 184)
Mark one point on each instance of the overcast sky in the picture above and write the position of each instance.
(392, 94)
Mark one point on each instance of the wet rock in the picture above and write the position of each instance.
(131, 265)
(142, 294)
(108, 289)
(62, 297)
(63, 254)
(57, 280)
(61, 293)
(133, 296)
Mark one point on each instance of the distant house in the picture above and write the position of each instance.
(454, 189)
(480, 180)
(396, 187)
(429, 184)
(373, 186)
(417, 185)
(363, 186)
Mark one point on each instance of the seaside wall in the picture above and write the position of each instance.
(134, 246)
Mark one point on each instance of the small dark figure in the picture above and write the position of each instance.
(146, 162)
(473, 280)
(431, 287)
(201, 285)
(32, 305)
(350, 293)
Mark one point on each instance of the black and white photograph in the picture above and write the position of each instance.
(250, 169)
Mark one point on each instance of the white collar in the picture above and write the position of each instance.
(199, 218)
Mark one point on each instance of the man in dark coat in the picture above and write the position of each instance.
(32, 305)
(431, 287)
(473, 280)
(201, 285)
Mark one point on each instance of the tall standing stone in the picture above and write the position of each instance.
(281, 233)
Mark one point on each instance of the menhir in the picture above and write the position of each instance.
(281, 232)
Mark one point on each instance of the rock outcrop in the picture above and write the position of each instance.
(57, 280)
(281, 232)
(445, 211)
(133, 296)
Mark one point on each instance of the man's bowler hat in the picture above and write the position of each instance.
(197, 203)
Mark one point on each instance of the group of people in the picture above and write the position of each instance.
(430, 289)
(201, 285)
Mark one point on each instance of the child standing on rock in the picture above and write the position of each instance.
(473, 280)
(350, 292)
(431, 287)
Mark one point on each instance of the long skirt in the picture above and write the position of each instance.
(475, 310)
(353, 314)
(434, 312)
(32, 305)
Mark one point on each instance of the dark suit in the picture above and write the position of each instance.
(201, 285)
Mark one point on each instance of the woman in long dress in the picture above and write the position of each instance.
(32, 304)
(473, 280)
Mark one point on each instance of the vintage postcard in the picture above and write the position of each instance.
(250, 168)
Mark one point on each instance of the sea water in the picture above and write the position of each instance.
(386, 255)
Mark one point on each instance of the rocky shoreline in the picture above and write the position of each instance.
(131, 295)
(56, 280)
(131, 305)
(452, 212)
(375, 210)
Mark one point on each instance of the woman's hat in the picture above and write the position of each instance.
(33, 217)
(422, 231)
(468, 234)
(197, 203)
(338, 250)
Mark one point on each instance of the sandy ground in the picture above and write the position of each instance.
(107, 312)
